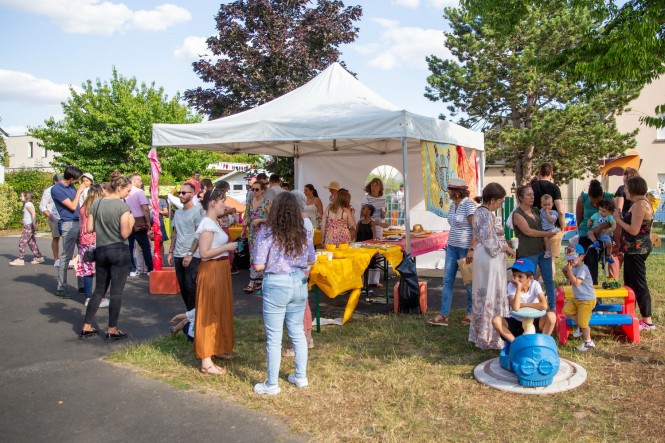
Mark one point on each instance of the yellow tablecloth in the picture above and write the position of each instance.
(335, 276)
(235, 231)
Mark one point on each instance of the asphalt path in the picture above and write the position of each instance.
(55, 387)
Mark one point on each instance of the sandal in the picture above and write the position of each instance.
(207, 370)
(439, 320)
(227, 356)
(466, 321)
(250, 288)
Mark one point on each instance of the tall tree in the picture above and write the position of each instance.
(624, 47)
(530, 115)
(108, 126)
(266, 48)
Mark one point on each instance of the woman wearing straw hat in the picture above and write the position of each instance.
(460, 246)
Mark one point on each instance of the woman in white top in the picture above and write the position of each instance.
(374, 197)
(313, 205)
(214, 294)
(460, 246)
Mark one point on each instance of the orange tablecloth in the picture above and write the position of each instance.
(336, 276)
(235, 231)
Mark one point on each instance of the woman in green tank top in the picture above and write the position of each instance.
(526, 220)
(587, 205)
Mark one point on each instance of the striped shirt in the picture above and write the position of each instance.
(379, 204)
(460, 228)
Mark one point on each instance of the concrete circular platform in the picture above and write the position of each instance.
(490, 373)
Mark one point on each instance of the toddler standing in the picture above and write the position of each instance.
(580, 307)
(28, 234)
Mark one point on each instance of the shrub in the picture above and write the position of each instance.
(27, 180)
(8, 205)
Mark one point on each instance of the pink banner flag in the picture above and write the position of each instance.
(155, 170)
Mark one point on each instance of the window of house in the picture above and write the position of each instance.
(660, 134)
(31, 149)
(237, 187)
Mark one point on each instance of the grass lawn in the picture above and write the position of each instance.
(396, 378)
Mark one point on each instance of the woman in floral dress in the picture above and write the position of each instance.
(87, 240)
(489, 271)
(257, 215)
(338, 226)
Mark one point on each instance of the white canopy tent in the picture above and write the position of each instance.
(337, 129)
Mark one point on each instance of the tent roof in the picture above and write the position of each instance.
(330, 113)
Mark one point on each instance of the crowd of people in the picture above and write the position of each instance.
(106, 222)
(608, 224)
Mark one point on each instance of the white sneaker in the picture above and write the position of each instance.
(585, 346)
(299, 382)
(105, 303)
(577, 333)
(57, 263)
(17, 262)
(37, 261)
(263, 389)
(87, 300)
(134, 273)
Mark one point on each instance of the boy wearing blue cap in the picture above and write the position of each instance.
(524, 292)
(579, 308)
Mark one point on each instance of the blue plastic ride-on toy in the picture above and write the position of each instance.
(534, 358)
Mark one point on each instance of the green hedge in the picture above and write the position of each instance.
(26, 180)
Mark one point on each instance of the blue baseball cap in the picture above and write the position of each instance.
(522, 265)
(572, 251)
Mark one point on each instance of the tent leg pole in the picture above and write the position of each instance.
(407, 206)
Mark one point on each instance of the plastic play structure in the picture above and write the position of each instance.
(533, 357)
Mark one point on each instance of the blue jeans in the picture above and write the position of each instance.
(546, 271)
(284, 298)
(453, 253)
(87, 285)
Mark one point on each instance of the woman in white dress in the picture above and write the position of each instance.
(313, 205)
(489, 271)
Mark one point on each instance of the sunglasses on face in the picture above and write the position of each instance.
(256, 189)
(184, 192)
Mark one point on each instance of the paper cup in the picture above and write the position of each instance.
(515, 242)
(330, 255)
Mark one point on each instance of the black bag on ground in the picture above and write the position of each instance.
(409, 289)
(241, 258)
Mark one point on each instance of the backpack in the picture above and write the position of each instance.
(241, 257)
(409, 288)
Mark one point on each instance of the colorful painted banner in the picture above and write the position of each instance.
(440, 163)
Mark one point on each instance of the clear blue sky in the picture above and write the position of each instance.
(51, 44)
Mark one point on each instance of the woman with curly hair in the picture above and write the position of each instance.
(283, 251)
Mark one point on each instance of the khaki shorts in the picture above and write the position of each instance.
(555, 242)
(581, 308)
(55, 232)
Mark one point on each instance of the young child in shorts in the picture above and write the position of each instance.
(548, 220)
(604, 215)
(184, 322)
(524, 292)
(579, 308)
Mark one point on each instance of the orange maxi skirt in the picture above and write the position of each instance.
(213, 333)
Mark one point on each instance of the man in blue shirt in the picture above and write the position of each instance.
(66, 197)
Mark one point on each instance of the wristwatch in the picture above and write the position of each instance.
(189, 254)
